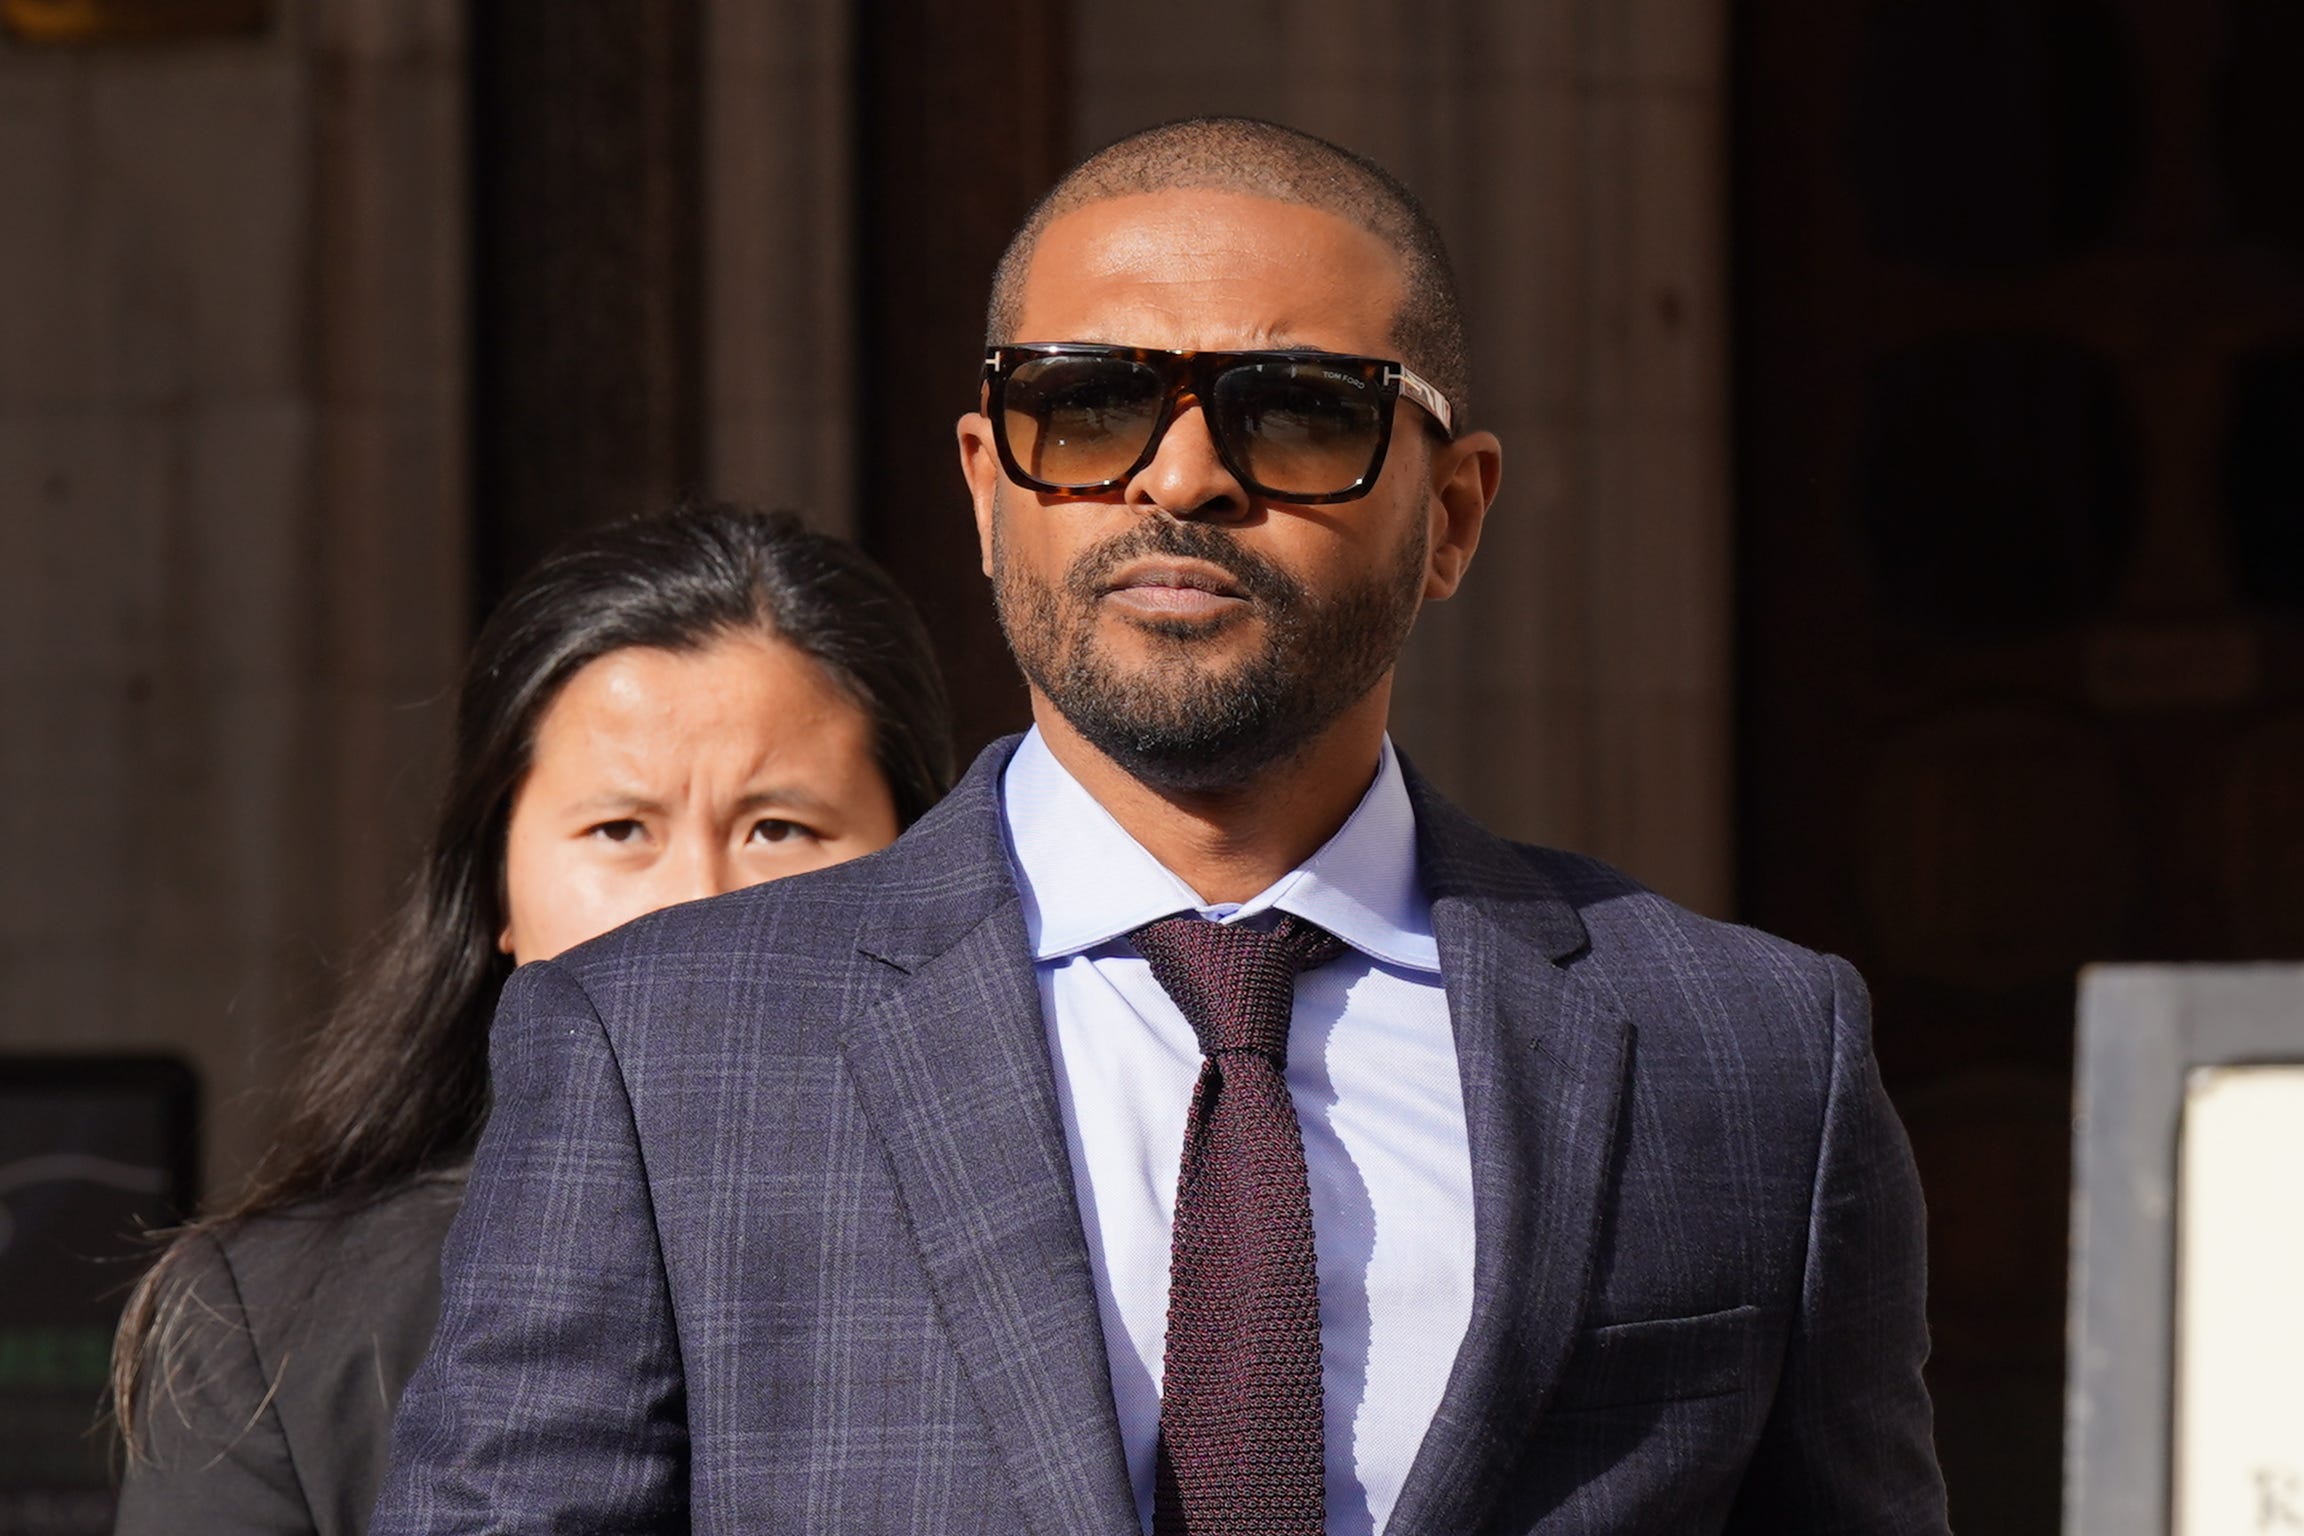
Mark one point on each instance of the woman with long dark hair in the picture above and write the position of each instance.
(667, 708)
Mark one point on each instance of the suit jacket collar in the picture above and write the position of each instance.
(1463, 861)
(1541, 1043)
(952, 1068)
(947, 873)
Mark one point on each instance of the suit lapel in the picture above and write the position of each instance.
(1541, 1049)
(952, 1070)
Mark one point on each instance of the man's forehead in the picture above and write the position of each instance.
(1266, 273)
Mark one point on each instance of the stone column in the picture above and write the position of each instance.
(1574, 152)
(389, 276)
(779, 251)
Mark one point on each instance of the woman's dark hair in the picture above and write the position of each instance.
(395, 1082)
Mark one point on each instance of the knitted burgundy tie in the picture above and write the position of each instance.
(1241, 1448)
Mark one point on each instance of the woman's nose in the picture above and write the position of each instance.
(703, 869)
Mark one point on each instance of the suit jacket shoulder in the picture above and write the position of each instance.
(289, 1339)
(789, 1164)
(808, 952)
(1604, 924)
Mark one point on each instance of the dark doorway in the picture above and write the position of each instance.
(587, 398)
(2022, 461)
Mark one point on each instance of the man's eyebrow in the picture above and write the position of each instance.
(1282, 342)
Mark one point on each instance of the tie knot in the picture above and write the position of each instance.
(1235, 985)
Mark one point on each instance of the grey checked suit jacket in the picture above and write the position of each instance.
(773, 1226)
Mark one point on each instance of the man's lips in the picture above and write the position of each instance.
(1173, 589)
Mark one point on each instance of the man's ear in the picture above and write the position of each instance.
(1465, 475)
(980, 467)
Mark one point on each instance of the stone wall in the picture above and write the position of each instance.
(231, 524)
(234, 370)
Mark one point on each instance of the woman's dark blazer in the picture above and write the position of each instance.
(272, 1410)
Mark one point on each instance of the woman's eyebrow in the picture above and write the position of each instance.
(790, 797)
(620, 800)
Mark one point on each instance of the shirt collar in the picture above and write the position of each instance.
(1085, 881)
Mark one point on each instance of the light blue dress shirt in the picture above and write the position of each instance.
(1372, 1067)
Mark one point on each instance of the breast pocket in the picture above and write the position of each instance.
(1663, 1359)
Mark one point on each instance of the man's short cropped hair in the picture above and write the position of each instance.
(1260, 159)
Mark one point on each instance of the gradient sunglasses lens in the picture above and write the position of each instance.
(1080, 419)
(1299, 427)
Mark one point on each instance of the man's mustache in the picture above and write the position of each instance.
(1258, 578)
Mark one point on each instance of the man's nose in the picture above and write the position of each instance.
(1185, 477)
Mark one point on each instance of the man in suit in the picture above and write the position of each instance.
(1195, 1124)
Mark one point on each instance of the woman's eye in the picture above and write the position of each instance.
(623, 830)
(774, 829)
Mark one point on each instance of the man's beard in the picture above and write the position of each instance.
(1180, 721)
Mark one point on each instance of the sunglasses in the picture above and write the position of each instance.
(1071, 418)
